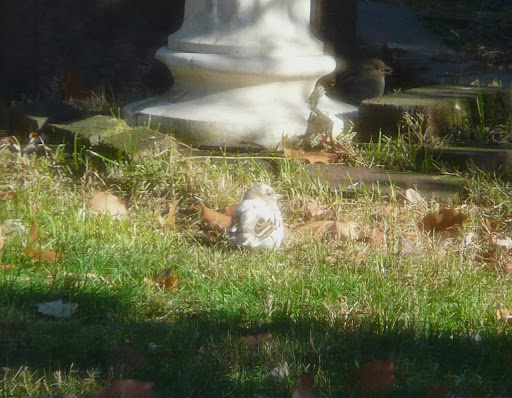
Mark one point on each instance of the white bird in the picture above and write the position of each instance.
(257, 222)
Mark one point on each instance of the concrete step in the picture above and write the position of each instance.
(349, 178)
(445, 108)
(491, 160)
(110, 137)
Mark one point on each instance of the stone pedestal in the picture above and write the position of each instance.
(244, 71)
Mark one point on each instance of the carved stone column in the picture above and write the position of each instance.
(244, 71)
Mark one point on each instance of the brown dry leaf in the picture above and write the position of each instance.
(304, 387)
(314, 210)
(168, 283)
(230, 210)
(362, 254)
(495, 225)
(414, 196)
(43, 256)
(253, 340)
(408, 248)
(34, 232)
(378, 238)
(312, 157)
(440, 391)
(214, 218)
(170, 219)
(444, 219)
(167, 279)
(374, 377)
(126, 356)
(504, 315)
(494, 83)
(126, 388)
(345, 230)
(4, 196)
(108, 204)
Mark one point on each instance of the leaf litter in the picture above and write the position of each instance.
(104, 203)
(374, 377)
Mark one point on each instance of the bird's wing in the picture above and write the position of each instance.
(255, 218)
(357, 86)
(265, 227)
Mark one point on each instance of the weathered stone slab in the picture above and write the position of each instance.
(492, 160)
(445, 108)
(348, 178)
(110, 137)
(141, 142)
(27, 118)
(90, 132)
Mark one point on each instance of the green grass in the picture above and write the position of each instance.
(433, 314)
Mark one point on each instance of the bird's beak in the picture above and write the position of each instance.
(278, 196)
(386, 71)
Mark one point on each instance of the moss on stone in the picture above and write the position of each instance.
(91, 131)
(138, 141)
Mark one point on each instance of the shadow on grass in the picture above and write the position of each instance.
(204, 352)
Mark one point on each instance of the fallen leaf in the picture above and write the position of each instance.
(126, 388)
(312, 157)
(4, 196)
(505, 243)
(314, 210)
(504, 315)
(107, 204)
(170, 219)
(440, 391)
(304, 387)
(345, 230)
(444, 219)
(214, 218)
(278, 374)
(57, 309)
(362, 254)
(374, 377)
(253, 340)
(127, 357)
(408, 248)
(230, 210)
(494, 83)
(378, 238)
(44, 256)
(165, 280)
(14, 227)
(168, 283)
(34, 232)
(496, 225)
(414, 196)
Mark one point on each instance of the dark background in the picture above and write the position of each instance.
(111, 43)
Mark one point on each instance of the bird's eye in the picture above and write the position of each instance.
(376, 67)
